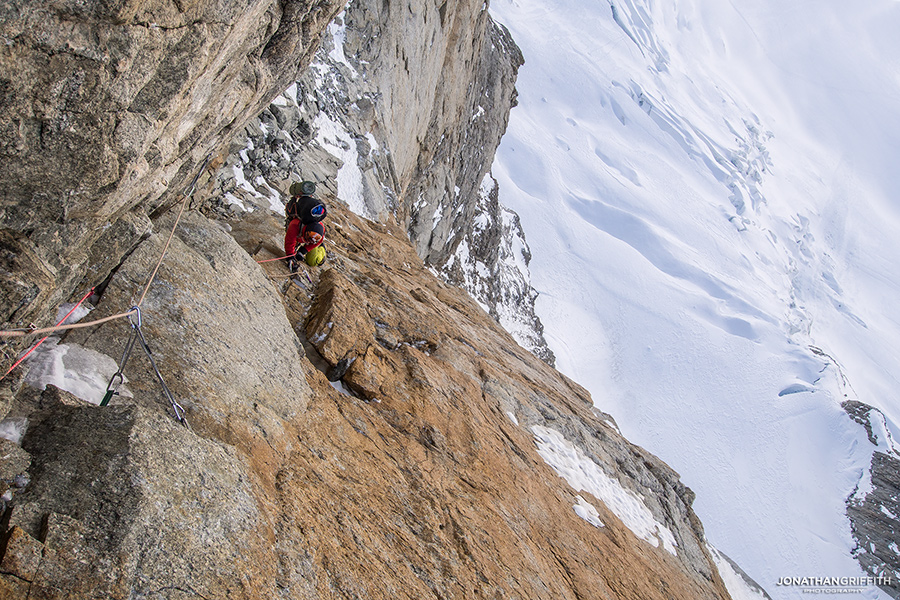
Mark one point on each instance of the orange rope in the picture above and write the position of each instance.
(187, 196)
(165, 249)
(43, 339)
(64, 327)
(274, 259)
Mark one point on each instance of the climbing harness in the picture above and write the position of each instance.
(138, 336)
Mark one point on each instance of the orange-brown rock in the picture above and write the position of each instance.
(415, 476)
(437, 382)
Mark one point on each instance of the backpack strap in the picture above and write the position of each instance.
(290, 211)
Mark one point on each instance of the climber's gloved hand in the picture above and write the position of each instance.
(300, 254)
(292, 265)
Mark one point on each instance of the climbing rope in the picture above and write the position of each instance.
(35, 331)
(59, 327)
(135, 311)
(274, 259)
(188, 192)
(43, 339)
(136, 333)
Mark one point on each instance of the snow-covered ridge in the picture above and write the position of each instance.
(491, 263)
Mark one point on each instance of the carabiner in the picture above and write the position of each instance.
(137, 315)
(110, 392)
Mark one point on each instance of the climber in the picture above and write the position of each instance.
(304, 232)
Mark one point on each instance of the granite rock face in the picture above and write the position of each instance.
(491, 263)
(108, 108)
(123, 499)
(410, 102)
(114, 508)
(347, 124)
(876, 524)
(416, 472)
(874, 512)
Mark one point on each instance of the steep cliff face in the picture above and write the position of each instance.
(873, 507)
(349, 124)
(427, 468)
(107, 106)
(416, 97)
(491, 263)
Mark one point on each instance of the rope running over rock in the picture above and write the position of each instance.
(135, 310)
(33, 331)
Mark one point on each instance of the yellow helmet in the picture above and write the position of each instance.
(316, 256)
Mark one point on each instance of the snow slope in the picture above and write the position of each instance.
(708, 193)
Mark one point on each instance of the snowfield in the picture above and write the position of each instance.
(709, 194)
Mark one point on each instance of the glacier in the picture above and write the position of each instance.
(708, 190)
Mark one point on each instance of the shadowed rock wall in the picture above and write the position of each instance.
(108, 107)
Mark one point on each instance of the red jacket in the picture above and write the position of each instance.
(305, 236)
